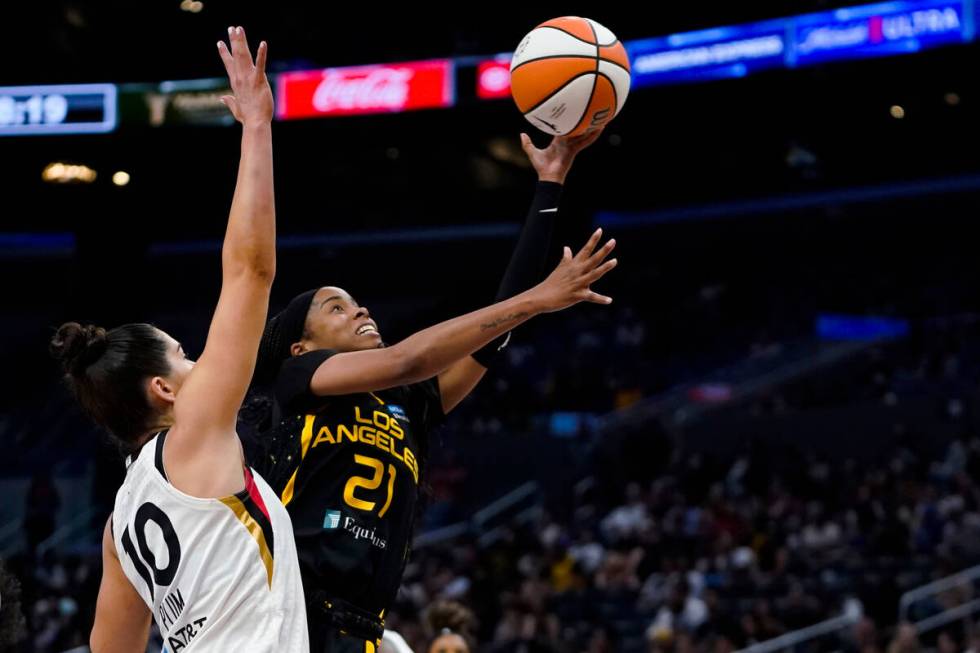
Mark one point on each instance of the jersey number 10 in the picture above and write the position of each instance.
(146, 562)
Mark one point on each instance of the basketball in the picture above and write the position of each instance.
(570, 75)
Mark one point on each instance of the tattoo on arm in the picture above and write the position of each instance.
(503, 320)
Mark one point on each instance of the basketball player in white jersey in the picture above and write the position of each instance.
(196, 541)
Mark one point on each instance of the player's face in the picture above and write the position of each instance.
(180, 364)
(336, 321)
(449, 643)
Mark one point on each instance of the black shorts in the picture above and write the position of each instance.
(326, 638)
(338, 627)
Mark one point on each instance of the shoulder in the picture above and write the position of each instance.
(309, 360)
(295, 372)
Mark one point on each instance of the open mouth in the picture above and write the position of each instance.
(366, 329)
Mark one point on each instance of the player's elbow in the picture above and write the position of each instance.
(264, 273)
(259, 268)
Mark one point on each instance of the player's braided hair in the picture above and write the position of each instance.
(284, 329)
(266, 441)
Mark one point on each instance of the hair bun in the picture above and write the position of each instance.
(77, 346)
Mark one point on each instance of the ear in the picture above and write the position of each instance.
(297, 348)
(161, 392)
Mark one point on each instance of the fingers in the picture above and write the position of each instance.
(226, 58)
(600, 255)
(588, 138)
(250, 96)
(236, 45)
(596, 298)
(244, 43)
(590, 245)
(582, 141)
(261, 56)
(229, 101)
(566, 254)
(600, 271)
(563, 140)
(239, 50)
(237, 57)
(526, 144)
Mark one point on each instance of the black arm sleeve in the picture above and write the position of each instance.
(527, 262)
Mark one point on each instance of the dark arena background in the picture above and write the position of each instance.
(768, 442)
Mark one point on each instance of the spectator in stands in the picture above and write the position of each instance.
(13, 625)
(682, 612)
(452, 626)
(41, 509)
(906, 640)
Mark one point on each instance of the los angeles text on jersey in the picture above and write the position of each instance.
(379, 430)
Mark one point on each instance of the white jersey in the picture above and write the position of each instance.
(218, 574)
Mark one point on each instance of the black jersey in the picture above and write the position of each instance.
(347, 469)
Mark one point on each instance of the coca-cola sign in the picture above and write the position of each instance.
(365, 89)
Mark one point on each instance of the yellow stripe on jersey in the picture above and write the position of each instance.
(254, 530)
(377, 398)
(369, 646)
(287, 493)
(391, 490)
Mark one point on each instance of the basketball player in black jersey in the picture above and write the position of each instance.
(353, 416)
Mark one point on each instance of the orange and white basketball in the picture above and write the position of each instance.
(569, 75)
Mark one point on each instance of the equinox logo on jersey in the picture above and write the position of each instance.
(361, 533)
(334, 519)
(331, 519)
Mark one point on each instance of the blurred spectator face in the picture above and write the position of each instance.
(946, 644)
(600, 642)
(633, 493)
(906, 640)
(723, 645)
(712, 601)
(974, 644)
(449, 643)
(678, 596)
(865, 633)
(660, 642)
(685, 643)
